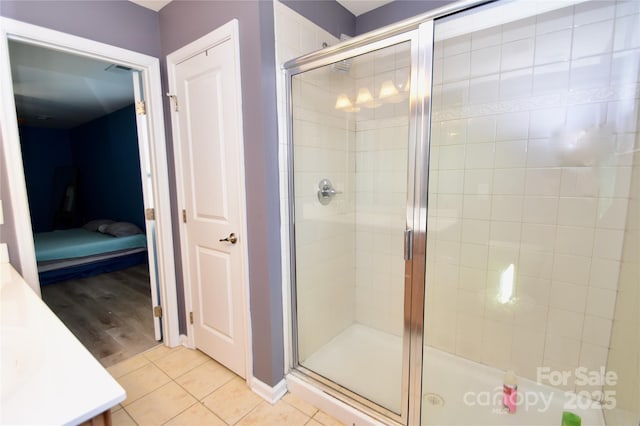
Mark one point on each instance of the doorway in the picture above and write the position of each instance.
(80, 152)
(152, 161)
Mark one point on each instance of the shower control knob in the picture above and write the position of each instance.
(326, 191)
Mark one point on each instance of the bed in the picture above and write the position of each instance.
(81, 252)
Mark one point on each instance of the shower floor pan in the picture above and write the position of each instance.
(455, 391)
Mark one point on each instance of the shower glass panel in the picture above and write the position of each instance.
(532, 226)
(350, 155)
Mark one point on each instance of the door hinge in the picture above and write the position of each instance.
(184, 215)
(141, 108)
(190, 317)
(150, 214)
(173, 98)
(157, 311)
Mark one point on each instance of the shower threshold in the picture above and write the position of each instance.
(455, 391)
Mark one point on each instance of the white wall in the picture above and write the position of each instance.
(533, 127)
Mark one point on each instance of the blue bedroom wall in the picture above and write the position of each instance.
(45, 152)
(105, 151)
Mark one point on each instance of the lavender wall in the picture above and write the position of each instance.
(329, 15)
(182, 22)
(126, 25)
(119, 23)
(394, 12)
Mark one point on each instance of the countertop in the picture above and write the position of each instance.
(47, 376)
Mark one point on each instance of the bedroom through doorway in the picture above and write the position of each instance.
(83, 162)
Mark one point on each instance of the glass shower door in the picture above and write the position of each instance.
(531, 188)
(350, 146)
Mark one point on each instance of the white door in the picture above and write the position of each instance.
(148, 201)
(210, 140)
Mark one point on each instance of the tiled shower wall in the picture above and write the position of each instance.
(624, 355)
(506, 187)
(380, 192)
(350, 265)
(325, 235)
(534, 124)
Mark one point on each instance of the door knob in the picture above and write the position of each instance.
(231, 238)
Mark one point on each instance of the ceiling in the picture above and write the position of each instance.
(152, 4)
(57, 89)
(61, 90)
(357, 7)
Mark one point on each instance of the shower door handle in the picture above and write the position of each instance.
(408, 244)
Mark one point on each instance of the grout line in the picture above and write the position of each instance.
(208, 394)
(250, 411)
(187, 371)
(168, 420)
(130, 416)
(151, 391)
(293, 406)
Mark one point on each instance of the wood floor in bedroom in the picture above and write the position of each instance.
(109, 313)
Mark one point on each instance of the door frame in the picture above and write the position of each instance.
(226, 32)
(149, 67)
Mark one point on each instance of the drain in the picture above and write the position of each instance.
(433, 399)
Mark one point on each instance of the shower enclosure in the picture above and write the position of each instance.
(464, 197)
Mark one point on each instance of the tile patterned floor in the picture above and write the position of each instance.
(181, 386)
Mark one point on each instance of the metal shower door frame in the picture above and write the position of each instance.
(415, 107)
(419, 31)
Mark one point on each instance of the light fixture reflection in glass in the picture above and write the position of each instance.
(364, 96)
(505, 292)
(343, 102)
(366, 99)
(387, 90)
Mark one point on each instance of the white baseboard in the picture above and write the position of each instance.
(185, 341)
(266, 392)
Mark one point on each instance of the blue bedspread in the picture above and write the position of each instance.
(78, 242)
